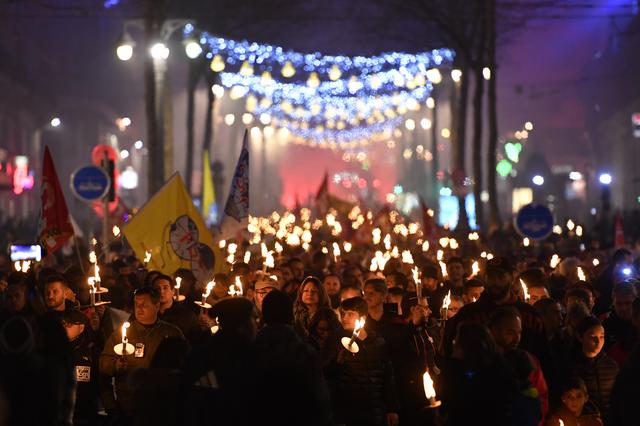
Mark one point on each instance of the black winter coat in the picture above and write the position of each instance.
(363, 388)
(599, 374)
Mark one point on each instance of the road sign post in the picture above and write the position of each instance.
(534, 221)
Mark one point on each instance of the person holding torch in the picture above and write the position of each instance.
(146, 333)
(363, 387)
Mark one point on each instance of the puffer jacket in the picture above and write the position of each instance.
(363, 388)
(599, 374)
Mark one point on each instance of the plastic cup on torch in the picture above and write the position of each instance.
(203, 303)
(350, 343)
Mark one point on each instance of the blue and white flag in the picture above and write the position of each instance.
(236, 210)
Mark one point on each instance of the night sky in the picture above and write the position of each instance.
(548, 69)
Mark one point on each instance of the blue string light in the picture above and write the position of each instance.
(301, 103)
(324, 99)
(268, 57)
(363, 134)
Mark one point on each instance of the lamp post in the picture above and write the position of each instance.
(157, 32)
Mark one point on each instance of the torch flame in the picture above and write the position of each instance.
(147, 257)
(407, 257)
(475, 268)
(446, 301)
(555, 260)
(236, 288)
(416, 278)
(387, 242)
(427, 382)
(425, 246)
(269, 260)
(124, 331)
(178, 282)
(208, 289)
(525, 289)
(92, 257)
(96, 273)
(443, 268)
(17, 265)
(359, 326)
(247, 256)
(581, 274)
(279, 247)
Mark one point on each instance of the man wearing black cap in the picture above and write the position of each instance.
(146, 333)
(85, 359)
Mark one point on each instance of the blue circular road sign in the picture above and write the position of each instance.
(90, 183)
(534, 221)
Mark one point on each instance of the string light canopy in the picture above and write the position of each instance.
(324, 98)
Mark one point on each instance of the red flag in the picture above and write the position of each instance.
(324, 187)
(619, 233)
(55, 226)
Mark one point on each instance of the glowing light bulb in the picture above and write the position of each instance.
(334, 73)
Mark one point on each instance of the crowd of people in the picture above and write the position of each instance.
(340, 330)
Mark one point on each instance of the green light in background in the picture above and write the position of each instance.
(504, 167)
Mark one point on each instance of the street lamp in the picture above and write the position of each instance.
(159, 50)
(124, 50)
(538, 180)
(605, 179)
(192, 48)
(157, 35)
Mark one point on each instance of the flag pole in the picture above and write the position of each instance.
(75, 243)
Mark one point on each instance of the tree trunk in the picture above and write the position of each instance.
(460, 133)
(494, 212)
(194, 74)
(478, 95)
(154, 139)
(435, 163)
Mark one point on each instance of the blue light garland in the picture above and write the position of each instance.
(324, 99)
(342, 136)
(270, 58)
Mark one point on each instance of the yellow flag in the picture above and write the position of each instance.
(172, 230)
(208, 190)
